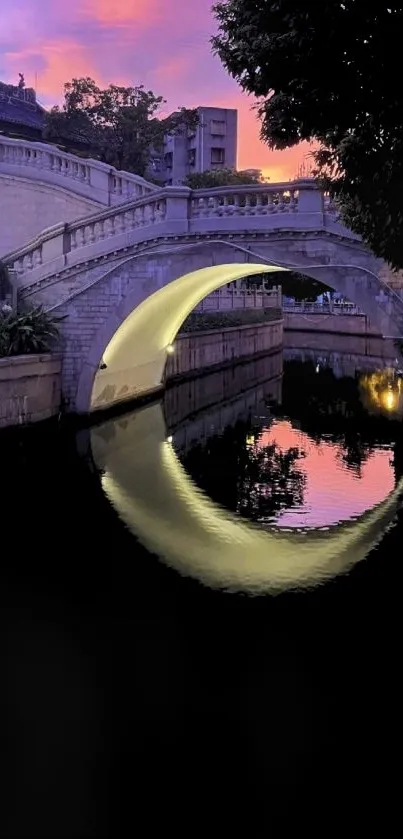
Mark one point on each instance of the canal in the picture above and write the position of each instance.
(201, 607)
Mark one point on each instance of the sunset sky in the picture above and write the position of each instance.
(163, 44)
(333, 493)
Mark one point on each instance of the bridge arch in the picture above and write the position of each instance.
(137, 305)
(142, 475)
(136, 340)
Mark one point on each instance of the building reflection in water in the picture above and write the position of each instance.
(382, 392)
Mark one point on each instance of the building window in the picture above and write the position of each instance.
(169, 160)
(218, 155)
(156, 165)
(192, 157)
(218, 127)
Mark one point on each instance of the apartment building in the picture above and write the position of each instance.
(211, 145)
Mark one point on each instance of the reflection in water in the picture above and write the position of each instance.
(270, 472)
(382, 392)
(333, 489)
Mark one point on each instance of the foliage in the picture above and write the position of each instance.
(4, 280)
(326, 72)
(204, 321)
(293, 284)
(26, 333)
(331, 407)
(223, 177)
(256, 482)
(120, 125)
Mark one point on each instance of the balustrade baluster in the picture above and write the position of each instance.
(80, 237)
(236, 205)
(226, 206)
(160, 211)
(259, 204)
(118, 224)
(101, 229)
(27, 262)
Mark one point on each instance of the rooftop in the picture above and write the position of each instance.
(18, 105)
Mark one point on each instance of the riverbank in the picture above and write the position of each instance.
(211, 341)
(30, 389)
(339, 324)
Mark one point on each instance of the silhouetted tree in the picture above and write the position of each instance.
(120, 125)
(326, 71)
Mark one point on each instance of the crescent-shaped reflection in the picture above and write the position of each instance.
(172, 518)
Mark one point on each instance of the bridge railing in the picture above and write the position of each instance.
(305, 308)
(89, 178)
(228, 299)
(168, 212)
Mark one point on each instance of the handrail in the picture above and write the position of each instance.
(282, 186)
(85, 176)
(192, 198)
(177, 211)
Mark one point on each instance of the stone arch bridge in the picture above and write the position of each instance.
(125, 278)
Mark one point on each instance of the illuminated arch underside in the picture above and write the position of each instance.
(136, 355)
(160, 504)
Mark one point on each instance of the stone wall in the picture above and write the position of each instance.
(30, 389)
(394, 279)
(336, 324)
(202, 351)
(27, 207)
(235, 391)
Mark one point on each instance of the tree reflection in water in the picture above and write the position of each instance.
(329, 407)
(256, 482)
(251, 472)
(270, 482)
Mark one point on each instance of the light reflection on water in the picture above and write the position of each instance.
(197, 494)
(333, 490)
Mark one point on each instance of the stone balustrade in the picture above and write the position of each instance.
(173, 211)
(86, 177)
(306, 308)
(229, 299)
(245, 201)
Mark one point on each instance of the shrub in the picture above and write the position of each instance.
(26, 332)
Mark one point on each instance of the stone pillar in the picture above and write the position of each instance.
(310, 198)
(177, 208)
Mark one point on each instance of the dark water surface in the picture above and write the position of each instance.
(142, 698)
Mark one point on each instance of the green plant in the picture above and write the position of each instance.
(223, 177)
(122, 126)
(4, 280)
(325, 72)
(27, 332)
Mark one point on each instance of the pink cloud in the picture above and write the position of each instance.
(332, 493)
(49, 63)
(163, 44)
(123, 13)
